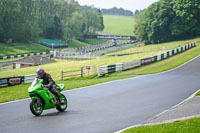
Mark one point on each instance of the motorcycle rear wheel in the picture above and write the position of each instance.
(35, 109)
(62, 107)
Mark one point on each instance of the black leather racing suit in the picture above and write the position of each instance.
(50, 83)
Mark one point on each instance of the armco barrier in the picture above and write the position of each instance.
(165, 55)
(180, 50)
(146, 61)
(175, 51)
(119, 67)
(103, 70)
(23, 55)
(183, 47)
(171, 53)
(158, 57)
(155, 58)
(129, 65)
(111, 68)
(162, 56)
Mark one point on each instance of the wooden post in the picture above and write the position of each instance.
(62, 75)
(81, 71)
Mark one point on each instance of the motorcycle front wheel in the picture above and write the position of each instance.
(62, 106)
(35, 108)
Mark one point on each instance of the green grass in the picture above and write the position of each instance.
(198, 93)
(163, 47)
(6, 67)
(20, 91)
(119, 25)
(20, 48)
(186, 126)
(23, 48)
(13, 59)
(55, 68)
(86, 42)
(164, 65)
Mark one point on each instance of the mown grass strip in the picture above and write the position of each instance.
(186, 126)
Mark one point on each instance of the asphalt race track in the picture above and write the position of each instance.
(107, 107)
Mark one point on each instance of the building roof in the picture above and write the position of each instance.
(36, 60)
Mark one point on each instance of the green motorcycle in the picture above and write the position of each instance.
(43, 99)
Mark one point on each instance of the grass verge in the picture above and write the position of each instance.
(186, 126)
(55, 68)
(20, 91)
(164, 65)
(198, 93)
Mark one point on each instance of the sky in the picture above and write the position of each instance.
(126, 4)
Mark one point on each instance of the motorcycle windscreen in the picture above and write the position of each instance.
(35, 81)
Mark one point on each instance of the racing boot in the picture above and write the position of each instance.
(59, 96)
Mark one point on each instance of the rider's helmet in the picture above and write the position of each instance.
(40, 72)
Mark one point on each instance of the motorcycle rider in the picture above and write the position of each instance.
(48, 82)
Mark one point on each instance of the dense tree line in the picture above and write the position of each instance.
(25, 20)
(168, 20)
(117, 11)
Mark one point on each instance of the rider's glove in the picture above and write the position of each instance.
(45, 86)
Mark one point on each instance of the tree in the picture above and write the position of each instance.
(117, 11)
(93, 20)
(73, 27)
(168, 20)
(155, 22)
(101, 20)
(186, 23)
(25, 20)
